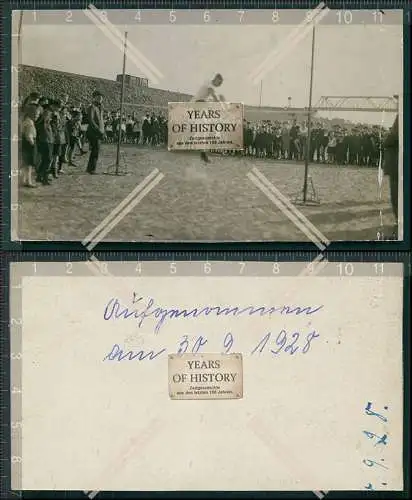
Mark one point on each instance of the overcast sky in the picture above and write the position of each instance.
(357, 60)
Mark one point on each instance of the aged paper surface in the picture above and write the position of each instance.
(322, 374)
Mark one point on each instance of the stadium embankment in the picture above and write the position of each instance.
(56, 84)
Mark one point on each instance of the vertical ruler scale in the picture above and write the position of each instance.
(17, 28)
(16, 366)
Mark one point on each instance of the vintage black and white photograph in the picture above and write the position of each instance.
(298, 136)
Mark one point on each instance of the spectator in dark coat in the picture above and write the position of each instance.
(59, 129)
(75, 130)
(95, 130)
(45, 141)
(391, 163)
(146, 129)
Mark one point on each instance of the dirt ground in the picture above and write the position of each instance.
(198, 202)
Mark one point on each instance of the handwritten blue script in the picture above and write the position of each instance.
(379, 440)
(118, 354)
(114, 310)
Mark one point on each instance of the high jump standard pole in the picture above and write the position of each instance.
(305, 183)
(119, 138)
(19, 41)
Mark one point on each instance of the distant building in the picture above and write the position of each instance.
(130, 80)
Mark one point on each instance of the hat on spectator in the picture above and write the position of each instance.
(31, 109)
(34, 96)
(97, 93)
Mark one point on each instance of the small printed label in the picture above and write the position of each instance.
(205, 126)
(205, 376)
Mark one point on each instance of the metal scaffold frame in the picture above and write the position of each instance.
(358, 103)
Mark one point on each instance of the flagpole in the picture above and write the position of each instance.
(260, 94)
(305, 183)
(119, 138)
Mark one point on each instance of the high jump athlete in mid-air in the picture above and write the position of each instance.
(207, 93)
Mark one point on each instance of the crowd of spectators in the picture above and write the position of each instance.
(53, 131)
(149, 129)
(144, 121)
(50, 130)
(359, 145)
